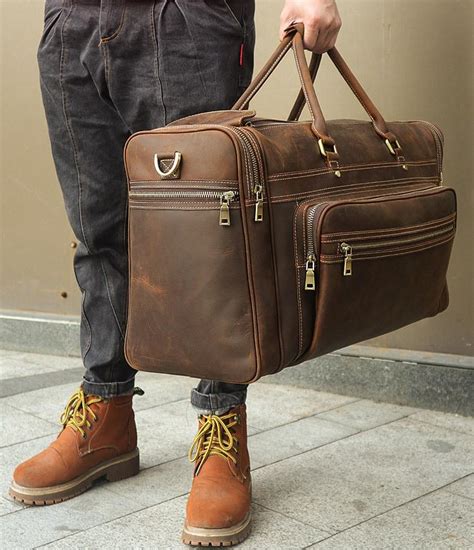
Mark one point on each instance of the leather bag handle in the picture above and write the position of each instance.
(301, 100)
(294, 40)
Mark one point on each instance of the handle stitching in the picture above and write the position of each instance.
(265, 76)
(304, 87)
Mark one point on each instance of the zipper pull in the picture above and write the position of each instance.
(346, 249)
(258, 190)
(310, 279)
(224, 213)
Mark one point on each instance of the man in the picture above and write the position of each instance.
(110, 68)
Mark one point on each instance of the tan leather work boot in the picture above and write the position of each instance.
(218, 509)
(98, 439)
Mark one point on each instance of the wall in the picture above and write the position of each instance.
(413, 56)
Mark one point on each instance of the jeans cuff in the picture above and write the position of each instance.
(216, 403)
(108, 389)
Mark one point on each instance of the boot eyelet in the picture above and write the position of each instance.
(84, 436)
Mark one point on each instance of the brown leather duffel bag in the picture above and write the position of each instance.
(257, 244)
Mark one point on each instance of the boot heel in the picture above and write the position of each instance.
(122, 470)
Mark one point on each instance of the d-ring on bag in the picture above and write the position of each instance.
(257, 244)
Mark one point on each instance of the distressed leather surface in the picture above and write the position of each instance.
(229, 303)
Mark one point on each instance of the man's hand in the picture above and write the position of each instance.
(321, 22)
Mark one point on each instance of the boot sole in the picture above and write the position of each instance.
(197, 536)
(124, 466)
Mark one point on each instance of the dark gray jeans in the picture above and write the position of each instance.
(109, 68)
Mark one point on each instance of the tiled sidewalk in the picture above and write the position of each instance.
(329, 472)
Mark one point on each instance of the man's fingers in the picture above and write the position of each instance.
(321, 22)
(322, 43)
(311, 37)
(326, 39)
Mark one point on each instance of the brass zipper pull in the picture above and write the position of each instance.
(346, 249)
(258, 190)
(224, 212)
(310, 279)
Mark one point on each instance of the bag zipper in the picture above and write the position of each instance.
(347, 250)
(225, 198)
(311, 258)
(254, 174)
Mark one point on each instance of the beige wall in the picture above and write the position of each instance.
(413, 56)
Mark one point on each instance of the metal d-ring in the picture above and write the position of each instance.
(173, 170)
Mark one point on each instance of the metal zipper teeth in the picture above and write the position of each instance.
(408, 240)
(252, 169)
(250, 148)
(310, 223)
(182, 194)
(256, 152)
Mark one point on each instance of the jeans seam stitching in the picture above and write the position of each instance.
(69, 127)
(76, 163)
(212, 397)
(107, 286)
(194, 41)
(75, 156)
(158, 59)
(89, 330)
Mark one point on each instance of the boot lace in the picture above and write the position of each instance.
(215, 437)
(78, 412)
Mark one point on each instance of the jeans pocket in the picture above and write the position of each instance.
(247, 55)
(241, 15)
(53, 14)
(235, 12)
(112, 19)
(53, 10)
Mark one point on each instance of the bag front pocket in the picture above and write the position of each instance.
(187, 265)
(372, 266)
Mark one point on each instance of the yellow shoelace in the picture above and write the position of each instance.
(214, 438)
(78, 411)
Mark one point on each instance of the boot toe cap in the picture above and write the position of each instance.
(45, 469)
(217, 505)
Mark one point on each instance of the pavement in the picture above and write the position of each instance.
(330, 472)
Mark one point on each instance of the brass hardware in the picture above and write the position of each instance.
(391, 148)
(405, 167)
(258, 190)
(322, 148)
(171, 166)
(441, 177)
(346, 249)
(224, 212)
(310, 279)
(338, 173)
